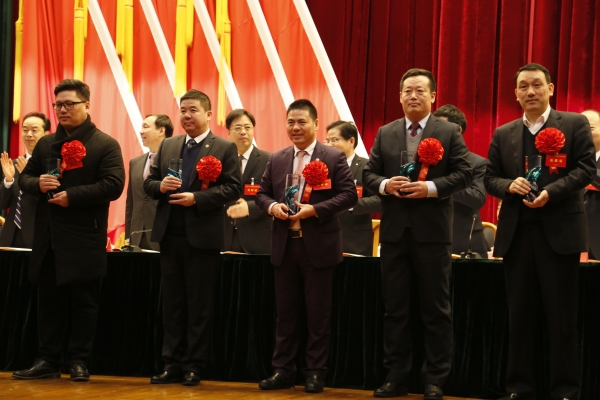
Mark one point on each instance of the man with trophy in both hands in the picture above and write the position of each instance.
(538, 166)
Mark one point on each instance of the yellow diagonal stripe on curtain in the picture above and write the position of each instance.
(223, 28)
(124, 39)
(79, 37)
(18, 64)
(184, 37)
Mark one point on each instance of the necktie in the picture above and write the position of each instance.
(18, 210)
(300, 156)
(147, 170)
(190, 144)
(414, 128)
(240, 159)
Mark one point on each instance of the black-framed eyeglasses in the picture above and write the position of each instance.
(68, 105)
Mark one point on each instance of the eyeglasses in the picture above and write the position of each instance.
(240, 128)
(68, 105)
(332, 140)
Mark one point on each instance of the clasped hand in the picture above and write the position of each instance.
(521, 187)
(413, 190)
(280, 210)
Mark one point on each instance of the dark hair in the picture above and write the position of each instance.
(81, 88)
(163, 121)
(194, 94)
(237, 113)
(453, 114)
(419, 72)
(594, 111)
(42, 116)
(533, 67)
(303, 104)
(347, 130)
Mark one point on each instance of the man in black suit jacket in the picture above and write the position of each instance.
(247, 230)
(189, 227)
(541, 240)
(357, 224)
(68, 258)
(467, 202)
(416, 232)
(18, 227)
(305, 246)
(592, 191)
(140, 209)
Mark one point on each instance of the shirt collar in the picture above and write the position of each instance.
(597, 155)
(247, 153)
(350, 159)
(27, 155)
(541, 119)
(309, 149)
(422, 122)
(198, 138)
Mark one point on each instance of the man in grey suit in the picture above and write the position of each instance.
(416, 231)
(189, 227)
(357, 224)
(541, 240)
(140, 208)
(247, 230)
(467, 202)
(18, 227)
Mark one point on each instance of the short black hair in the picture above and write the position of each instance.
(163, 121)
(347, 130)
(303, 104)
(419, 72)
(235, 114)
(81, 88)
(194, 94)
(453, 114)
(42, 116)
(533, 67)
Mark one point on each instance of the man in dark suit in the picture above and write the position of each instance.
(140, 208)
(68, 258)
(467, 202)
(592, 191)
(247, 230)
(18, 227)
(541, 240)
(189, 227)
(416, 232)
(305, 246)
(357, 224)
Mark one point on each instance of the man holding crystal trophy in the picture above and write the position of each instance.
(538, 166)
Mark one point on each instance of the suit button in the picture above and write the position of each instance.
(231, 222)
(585, 202)
(141, 216)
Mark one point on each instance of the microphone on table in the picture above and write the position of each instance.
(129, 248)
(470, 253)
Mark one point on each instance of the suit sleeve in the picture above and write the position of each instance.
(343, 184)
(264, 197)
(5, 194)
(29, 179)
(373, 173)
(474, 196)
(461, 173)
(495, 182)
(128, 205)
(152, 181)
(368, 204)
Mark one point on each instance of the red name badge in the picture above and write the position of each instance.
(323, 186)
(556, 161)
(250, 190)
(359, 190)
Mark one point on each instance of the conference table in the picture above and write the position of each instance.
(129, 334)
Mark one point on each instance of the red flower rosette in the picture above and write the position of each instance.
(209, 168)
(550, 141)
(72, 153)
(430, 152)
(315, 174)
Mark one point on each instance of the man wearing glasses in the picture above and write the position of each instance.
(247, 230)
(68, 257)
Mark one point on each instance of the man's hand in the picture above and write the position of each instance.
(280, 210)
(394, 184)
(239, 210)
(169, 183)
(306, 211)
(540, 201)
(60, 199)
(519, 186)
(8, 168)
(185, 199)
(48, 182)
(21, 163)
(415, 190)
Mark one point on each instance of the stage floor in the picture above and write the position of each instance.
(126, 388)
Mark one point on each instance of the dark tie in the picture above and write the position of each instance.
(191, 143)
(414, 128)
(240, 159)
(18, 211)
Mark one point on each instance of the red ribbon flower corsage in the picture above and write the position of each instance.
(315, 174)
(549, 142)
(209, 168)
(430, 152)
(72, 154)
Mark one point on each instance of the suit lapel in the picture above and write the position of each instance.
(401, 134)
(319, 152)
(427, 131)
(252, 161)
(355, 166)
(516, 138)
(205, 150)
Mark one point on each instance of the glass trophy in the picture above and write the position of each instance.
(533, 170)
(175, 168)
(407, 166)
(293, 183)
(53, 168)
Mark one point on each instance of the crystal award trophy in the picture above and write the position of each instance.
(175, 167)
(293, 184)
(53, 168)
(407, 166)
(533, 170)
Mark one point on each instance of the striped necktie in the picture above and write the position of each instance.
(18, 215)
